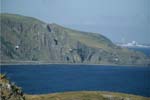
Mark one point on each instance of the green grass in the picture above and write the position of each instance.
(90, 39)
(86, 95)
(37, 43)
(20, 18)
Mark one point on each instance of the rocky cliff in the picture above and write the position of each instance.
(26, 39)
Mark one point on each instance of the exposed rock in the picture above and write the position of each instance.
(28, 39)
(9, 91)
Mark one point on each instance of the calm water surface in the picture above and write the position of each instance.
(39, 79)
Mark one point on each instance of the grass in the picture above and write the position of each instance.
(86, 95)
(20, 18)
(36, 43)
(89, 39)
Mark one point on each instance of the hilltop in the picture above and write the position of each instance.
(29, 40)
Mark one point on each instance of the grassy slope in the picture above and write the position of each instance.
(86, 95)
(90, 39)
(96, 40)
(12, 23)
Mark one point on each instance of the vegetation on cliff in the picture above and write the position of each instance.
(30, 40)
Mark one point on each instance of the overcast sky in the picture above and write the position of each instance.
(119, 20)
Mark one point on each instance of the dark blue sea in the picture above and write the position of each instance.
(41, 79)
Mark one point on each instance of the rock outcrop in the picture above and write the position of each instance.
(9, 91)
(40, 42)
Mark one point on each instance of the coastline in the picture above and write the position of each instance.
(55, 63)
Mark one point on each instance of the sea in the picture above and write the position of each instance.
(52, 78)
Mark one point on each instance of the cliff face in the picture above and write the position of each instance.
(28, 39)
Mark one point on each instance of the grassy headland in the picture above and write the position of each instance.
(28, 40)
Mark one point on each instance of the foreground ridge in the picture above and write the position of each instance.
(86, 95)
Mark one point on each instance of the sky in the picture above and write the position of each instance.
(119, 20)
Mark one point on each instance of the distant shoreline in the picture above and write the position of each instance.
(48, 63)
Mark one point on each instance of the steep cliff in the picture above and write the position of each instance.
(26, 39)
